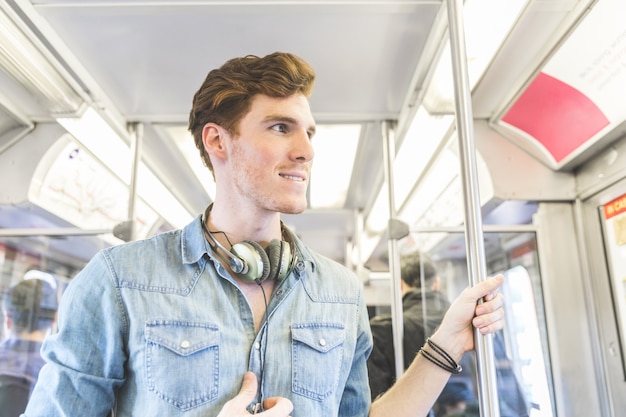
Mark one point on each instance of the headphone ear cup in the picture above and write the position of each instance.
(279, 254)
(253, 255)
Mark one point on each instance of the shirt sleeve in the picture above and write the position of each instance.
(85, 358)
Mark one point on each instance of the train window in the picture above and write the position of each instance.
(523, 344)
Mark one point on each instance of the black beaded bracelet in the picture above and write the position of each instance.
(449, 365)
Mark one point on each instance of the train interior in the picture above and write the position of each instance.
(94, 151)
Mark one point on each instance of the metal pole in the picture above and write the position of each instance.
(487, 389)
(356, 246)
(56, 232)
(397, 323)
(136, 137)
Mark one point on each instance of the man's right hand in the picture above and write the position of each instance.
(238, 406)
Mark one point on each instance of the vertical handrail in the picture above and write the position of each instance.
(397, 326)
(136, 137)
(358, 238)
(487, 389)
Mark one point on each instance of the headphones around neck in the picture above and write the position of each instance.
(249, 261)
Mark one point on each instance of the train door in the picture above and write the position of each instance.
(604, 218)
(521, 350)
(523, 364)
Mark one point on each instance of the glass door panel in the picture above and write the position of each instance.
(522, 358)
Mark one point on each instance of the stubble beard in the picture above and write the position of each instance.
(251, 185)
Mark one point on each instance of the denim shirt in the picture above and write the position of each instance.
(159, 328)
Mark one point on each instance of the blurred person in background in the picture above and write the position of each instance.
(29, 309)
(456, 400)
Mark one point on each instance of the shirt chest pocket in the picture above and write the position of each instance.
(317, 351)
(182, 362)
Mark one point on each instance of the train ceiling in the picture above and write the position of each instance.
(140, 62)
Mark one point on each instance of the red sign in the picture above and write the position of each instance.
(615, 207)
(557, 115)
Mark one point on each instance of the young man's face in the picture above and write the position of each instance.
(272, 156)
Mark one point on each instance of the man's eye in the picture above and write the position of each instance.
(280, 128)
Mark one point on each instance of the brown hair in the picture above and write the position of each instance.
(411, 267)
(225, 95)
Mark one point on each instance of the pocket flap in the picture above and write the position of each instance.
(321, 337)
(182, 337)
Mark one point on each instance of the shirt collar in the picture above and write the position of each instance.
(194, 244)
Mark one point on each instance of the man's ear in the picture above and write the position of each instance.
(437, 283)
(213, 140)
(404, 287)
(8, 321)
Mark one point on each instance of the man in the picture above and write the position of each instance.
(29, 315)
(233, 314)
(424, 307)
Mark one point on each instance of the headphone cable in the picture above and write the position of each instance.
(259, 406)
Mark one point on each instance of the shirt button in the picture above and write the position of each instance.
(322, 342)
(257, 346)
(185, 344)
